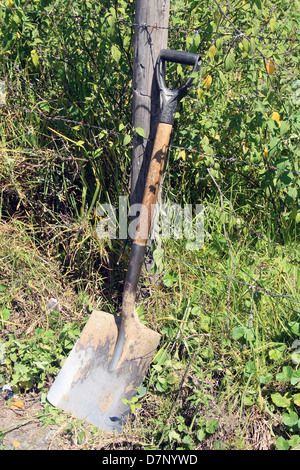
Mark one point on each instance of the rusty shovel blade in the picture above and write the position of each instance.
(87, 387)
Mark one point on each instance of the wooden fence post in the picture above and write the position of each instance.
(148, 41)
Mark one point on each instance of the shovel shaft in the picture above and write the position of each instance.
(155, 171)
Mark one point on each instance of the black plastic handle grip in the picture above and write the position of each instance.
(171, 97)
(179, 57)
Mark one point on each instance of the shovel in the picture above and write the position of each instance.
(111, 357)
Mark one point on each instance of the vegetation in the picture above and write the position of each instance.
(226, 374)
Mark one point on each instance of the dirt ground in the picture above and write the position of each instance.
(24, 425)
(21, 428)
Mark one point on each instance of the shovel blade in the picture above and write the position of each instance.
(86, 387)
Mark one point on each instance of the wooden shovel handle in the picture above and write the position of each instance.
(155, 171)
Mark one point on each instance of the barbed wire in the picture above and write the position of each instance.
(255, 284)
(194, 30)
(233, 160)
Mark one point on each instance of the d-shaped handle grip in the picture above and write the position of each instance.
(179, 57)
(170, 97)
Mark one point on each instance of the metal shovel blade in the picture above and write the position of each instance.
(87, 387)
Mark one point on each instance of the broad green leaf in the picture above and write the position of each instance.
(229, 61)
(170, 278)
(5, 313)
(282, 444)
(212, 52)
(285, 375)
(34, 57)
(277, 352)
(294, 328)
(290, 419)
(272, 24)
(205, 322)
(201, 434)
(294, 441)
(246, 44)
(140, 131)
(211, 426)
(116, 53)
(142, 391)
(296, 399)
(265, 379)
(173, 435)
(279, 400)
(292, 193)
(295, 357)
(127, 139)
(238, 332)
(219, 43)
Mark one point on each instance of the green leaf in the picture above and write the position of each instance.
(34, 57)
(285, 375)
(140, 131)
(294, 328)
(211, 426)
(292, 193)
(127, 139)
(158, 254)
(295, 379)
(246, 44)
(141, 391)
(250, 368)
(277, 352)
(272, 24)
(5, 313)
(265, 379)
(229, 61)
(279, 400)
(294, 441)
(219, 43)
(285, 126)
(295, 357)
(290, 419)
(296, 399)
(116, 53)
(238, 332)
(201, 434)
(205, 322)
(282, 444)
(170, 278)
(174, 436)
